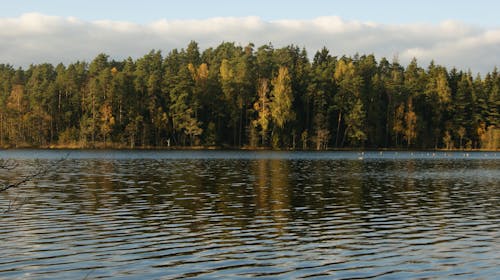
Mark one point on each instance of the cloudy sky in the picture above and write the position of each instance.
(452, 33)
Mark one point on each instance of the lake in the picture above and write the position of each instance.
(244, 214)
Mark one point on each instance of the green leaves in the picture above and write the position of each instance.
(282, 99)
(239, 96)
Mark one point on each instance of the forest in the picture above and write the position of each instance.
(250, 97)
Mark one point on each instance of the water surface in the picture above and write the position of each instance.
(220, 214)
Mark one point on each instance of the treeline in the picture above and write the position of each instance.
(233, 96)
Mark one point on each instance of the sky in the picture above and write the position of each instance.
(462, 34)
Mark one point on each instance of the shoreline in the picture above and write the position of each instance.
(229, 148)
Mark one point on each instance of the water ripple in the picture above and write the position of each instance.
(254, 217)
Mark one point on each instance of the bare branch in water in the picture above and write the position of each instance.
(8, 165)
(31, 176)
(15, 204)
(24, 180)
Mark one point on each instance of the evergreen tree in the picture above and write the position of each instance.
(347, 102)
(319, 96)
(233, 96)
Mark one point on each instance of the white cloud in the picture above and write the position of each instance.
(37, 38)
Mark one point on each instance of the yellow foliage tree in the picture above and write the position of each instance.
(107, 121)
(282, 99)
(262, 108)
(410, 131)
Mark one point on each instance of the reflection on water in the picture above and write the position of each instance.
(244, 215)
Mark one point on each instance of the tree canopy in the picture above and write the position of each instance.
(243, 96)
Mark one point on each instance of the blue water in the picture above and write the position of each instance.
(244, 155)
(242, 214)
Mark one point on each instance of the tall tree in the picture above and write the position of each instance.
(410, 130)
(347, 102)
(319, 96)
(438, 94)
(261, 106)
(281, 104)
(463, 111)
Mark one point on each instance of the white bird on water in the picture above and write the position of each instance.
(361, 156)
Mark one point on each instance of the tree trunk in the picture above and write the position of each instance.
(345, 135)
(338, 129)
(1, 130)
(241, 127)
